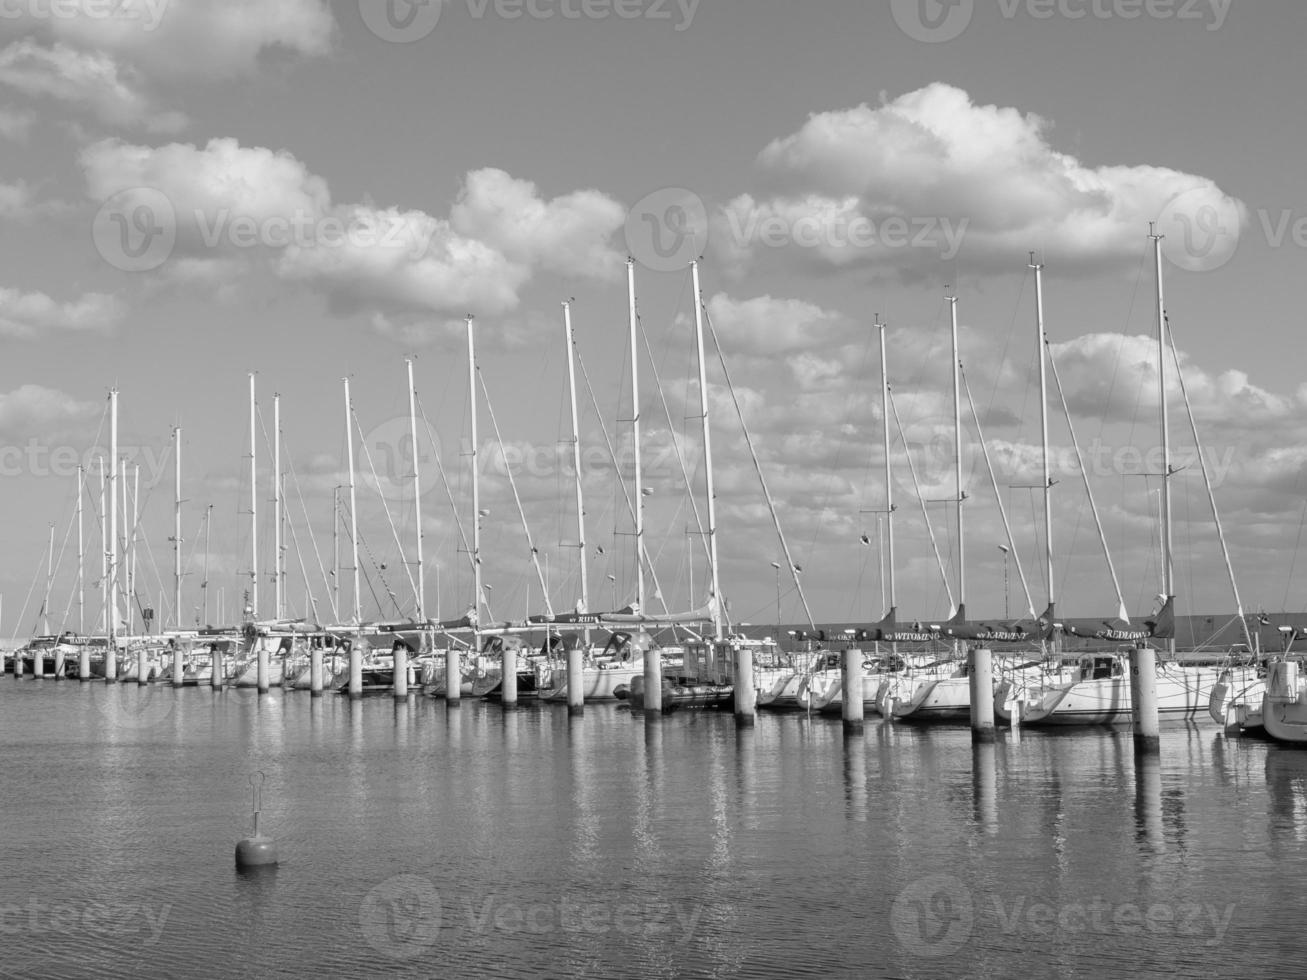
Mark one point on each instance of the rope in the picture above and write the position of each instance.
(925, 514)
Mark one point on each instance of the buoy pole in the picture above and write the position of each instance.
(256, 850)
(1143, 699)
(508, 677)
(399, 671)
(653, 683)
(315, 672)
(980, 671)
(575, 683)
(746, 701)
(852, 690)
(453, 678)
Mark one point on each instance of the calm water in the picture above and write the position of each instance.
(417, 841)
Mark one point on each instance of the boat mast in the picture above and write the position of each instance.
(576, 459)
(707, 455)
(177, 525)
(417, 490)
(254, 514)
(278, 575)
(127, 551)
(1168, 583)
(635, 428)
(353, 510)
(104, 555)
(1040, 345)
(477, 589)
(335, 551)
(957, 454)
(111, 613)
(204, 586)
(81, 555)
(49, 577)
(889, 483)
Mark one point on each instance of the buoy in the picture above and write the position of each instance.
(256, 851)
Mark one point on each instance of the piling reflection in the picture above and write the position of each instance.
(855, 778)
(1286, 788)
(1148, 802)
(746, 778)
(984, 778)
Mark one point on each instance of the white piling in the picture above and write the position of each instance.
(215, 680)
(1143, 699)
(142, 667)
(653, 682)
(84, 665)
(315, 672)
(60, 664)
(38, 665)
(853, 708)
(746, 700)
(453, 678)
(399, 671)
(508, 677)
(111, 664)
(261, 669)
(355, 672)
(575, 682)
(178, 667)
(980, 671)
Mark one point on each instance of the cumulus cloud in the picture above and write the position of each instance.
(30, 314)
(932, 175)
(765, 326)
(15, 124)
(224, 200)
(34, 407)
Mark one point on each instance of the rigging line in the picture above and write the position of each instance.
(72, 593)
(308, 525)
(916, 488)
(367, 455)
(1207, 482)
(1075, 444)
(22, 613)
(299, 553)
(757, 465)
(621, 478)
(449, 492)
(512, 483)
(993, 479)
(1293, 558)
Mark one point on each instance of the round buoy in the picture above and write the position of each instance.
(256, 851)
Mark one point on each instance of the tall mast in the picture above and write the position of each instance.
(957, 455)
(104, 555)
(417, 490)
(254, 513)
(111, 614)
(635, 428)
(889, 483)
(278, 575)
(1168, 583)
(576, 456)
(477, 592)
(335, 550)
(136, 528)
(81, 554)
(177, 525)
(707, 454)
(208, 523)
(353, 510)
(1040, 341)
(126, 575)
(49, 577)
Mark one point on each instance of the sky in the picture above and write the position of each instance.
(192, 191)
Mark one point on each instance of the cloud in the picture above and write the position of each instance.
(30, 314)
(931, 175)
(15, 124)
(228, 200)
(764, 326)
(34, 408)
(91, 79)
